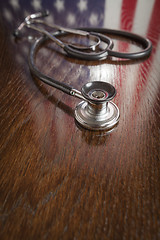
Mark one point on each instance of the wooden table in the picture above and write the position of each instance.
(58, 180)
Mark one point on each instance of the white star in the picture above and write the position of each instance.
(15, 4)
(59, 5)
(50, 19)
(93, 19)
(82, 5)
(71, 19)
(7, 14)
(26, 13)
(36, 4)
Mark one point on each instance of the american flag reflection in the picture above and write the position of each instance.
(138, 16)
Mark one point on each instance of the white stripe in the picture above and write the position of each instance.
(141, 23)
(112, 13)
(143, 16)
(107, 72)
(153, 79)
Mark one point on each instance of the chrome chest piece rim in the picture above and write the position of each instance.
(98, 112)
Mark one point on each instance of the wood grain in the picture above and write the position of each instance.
(60, 181)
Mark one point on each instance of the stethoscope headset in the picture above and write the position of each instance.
(96, 111)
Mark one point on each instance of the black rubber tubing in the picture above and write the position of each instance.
(51, 81)
(147, 45)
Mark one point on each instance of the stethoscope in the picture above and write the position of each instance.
(96, 111)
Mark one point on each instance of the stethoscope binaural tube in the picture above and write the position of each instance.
(96, 34)
(107, 51)
(146, 44)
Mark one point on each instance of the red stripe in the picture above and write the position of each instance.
(128, 10)
(153, 34)
(127, 18)
(127, 14)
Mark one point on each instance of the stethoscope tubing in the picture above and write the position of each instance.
(44, 78)
(92, 56)
(147, 45)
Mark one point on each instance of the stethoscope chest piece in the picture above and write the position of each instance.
(97, 112)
